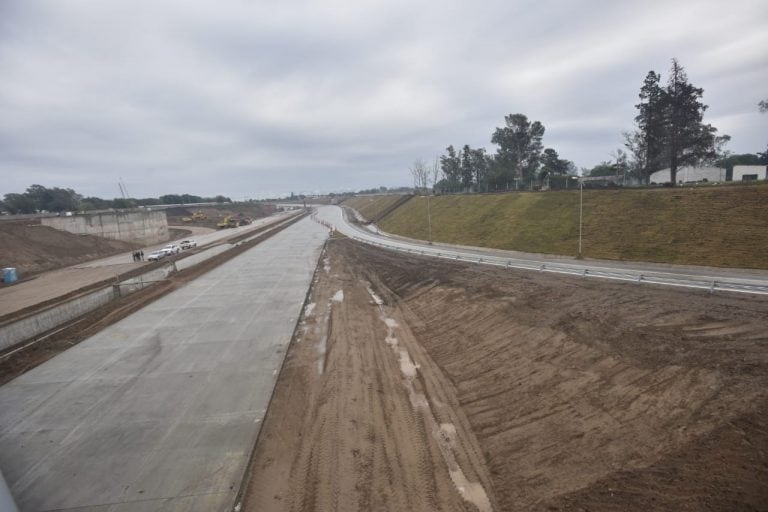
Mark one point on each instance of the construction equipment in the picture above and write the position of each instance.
(227, 222)
(198, 216)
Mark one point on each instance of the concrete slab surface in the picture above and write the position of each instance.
(56, 283)
(160, 411)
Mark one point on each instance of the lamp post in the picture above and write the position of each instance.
(581, 209)
(429, 220)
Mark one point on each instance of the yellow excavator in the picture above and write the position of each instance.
(227, 222)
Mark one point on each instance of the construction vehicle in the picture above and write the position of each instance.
(227, 222)
(198, 216)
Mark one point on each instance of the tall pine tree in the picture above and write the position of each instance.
(689, 140)
(650, 120)
(670, 128)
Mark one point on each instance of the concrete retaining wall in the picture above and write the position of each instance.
(191, 261)
(31, 326)
(148, 227)
(50, 318)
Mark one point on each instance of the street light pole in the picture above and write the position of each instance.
(581, 211)
(429, 220)
(581, 207)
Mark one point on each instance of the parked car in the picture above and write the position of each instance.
(157, 255)
(187, 244)
(171, 249)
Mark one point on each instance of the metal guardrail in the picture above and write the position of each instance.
(659, 278)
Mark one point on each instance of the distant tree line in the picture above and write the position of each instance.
(38, 198)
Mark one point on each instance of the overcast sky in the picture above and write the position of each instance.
(259, 98)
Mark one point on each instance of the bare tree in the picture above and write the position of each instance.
(420, 172)
(434, 172)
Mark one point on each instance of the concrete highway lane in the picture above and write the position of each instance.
(160, 411)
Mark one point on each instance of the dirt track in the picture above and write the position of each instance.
(474, 388)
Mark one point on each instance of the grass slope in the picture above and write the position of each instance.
(371, 206)
(716, 226)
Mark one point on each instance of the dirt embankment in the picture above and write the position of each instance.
(356, 423)
(476, 388)
(33, 248)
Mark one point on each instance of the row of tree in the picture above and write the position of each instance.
(670, 133)
(38, 198)
(519, 159)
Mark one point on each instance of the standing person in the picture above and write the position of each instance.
(141, 255)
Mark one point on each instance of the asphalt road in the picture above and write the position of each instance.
(685, 276)
(160, 411)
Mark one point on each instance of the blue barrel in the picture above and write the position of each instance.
(9, 275)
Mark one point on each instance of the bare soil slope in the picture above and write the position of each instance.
(477, 388)
(33, 248)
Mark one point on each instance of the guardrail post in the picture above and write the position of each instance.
(712, 287)
(640, 278)
(543, 267)
(584, 274)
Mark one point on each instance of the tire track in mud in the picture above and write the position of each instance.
(564, 394)
(575, 389)
(443, 433)
(348, 435)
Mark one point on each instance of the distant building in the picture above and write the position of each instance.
(750, 172)
(690, 175)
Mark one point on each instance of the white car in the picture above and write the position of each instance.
(171, 249)
(156, 255)
(188, 244)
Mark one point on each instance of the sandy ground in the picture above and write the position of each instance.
(419, 384)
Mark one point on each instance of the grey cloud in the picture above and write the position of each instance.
(325, 95)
